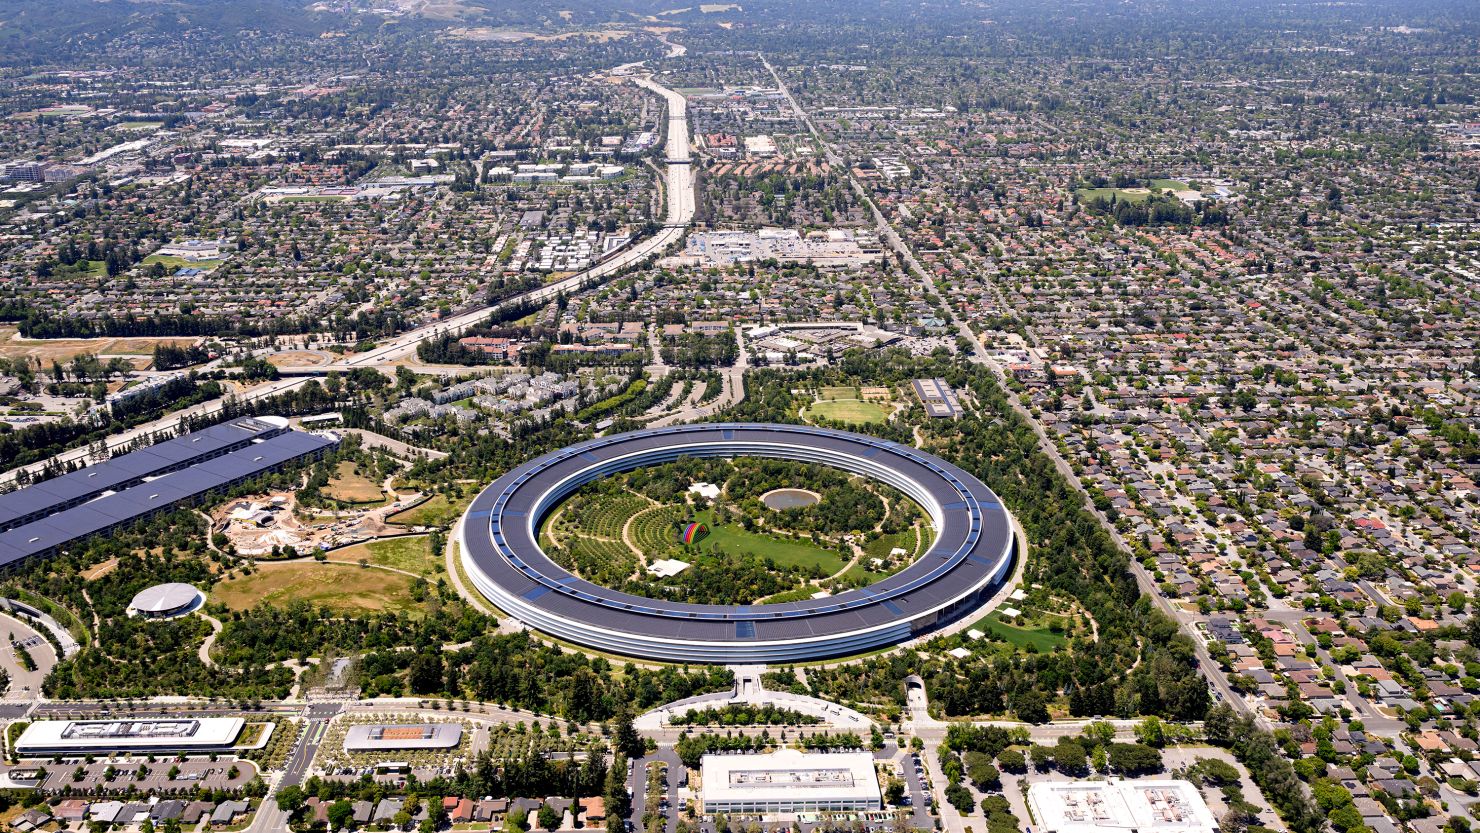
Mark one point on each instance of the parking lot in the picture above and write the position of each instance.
(118, 775)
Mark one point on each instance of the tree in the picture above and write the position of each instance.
(340, 813)
(549, 817)
(625, 738)
(1012, 760)
(618, 803)
(1031, 708)
(1219, 725)
(1070, 757)
(425, 676)
(290, 799)
(1134, 758)
(1151, 731)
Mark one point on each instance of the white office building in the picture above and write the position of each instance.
(788, 782)
(1145, 805)
(145, 735)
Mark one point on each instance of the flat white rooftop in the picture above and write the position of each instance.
(665, 567)
(788, 776)
(1146, 806)
(51, 736)
(403, 736)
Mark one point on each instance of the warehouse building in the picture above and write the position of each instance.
(790, 781)
(1147, 806)
(86, 737)
(186, 476)
(397, 737)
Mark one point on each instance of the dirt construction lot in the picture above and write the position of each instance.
(305, 534)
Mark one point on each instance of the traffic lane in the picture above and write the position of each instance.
(304, 751)
(919, 807)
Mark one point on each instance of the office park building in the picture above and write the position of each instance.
(970, 556)
(146, 736)
(788, 782)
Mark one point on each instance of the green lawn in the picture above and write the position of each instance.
(851, 411)
(1041, 638)
(436, 511)
(800, 594)
(172, 262)
(1120, 194)
(1132, 194)
(735, 540)
(412, 554)
(862, 576)
(838, 392)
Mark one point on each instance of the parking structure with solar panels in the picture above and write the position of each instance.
(43, 518)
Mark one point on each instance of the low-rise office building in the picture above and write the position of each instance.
(1147, 805)
(121, 492)
(148, 735)
(380, 738)
(790, 781)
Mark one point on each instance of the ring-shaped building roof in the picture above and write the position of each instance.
(971, 555)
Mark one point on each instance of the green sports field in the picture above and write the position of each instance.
(851, 411)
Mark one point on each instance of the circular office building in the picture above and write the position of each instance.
(163, 601)
(970, 557)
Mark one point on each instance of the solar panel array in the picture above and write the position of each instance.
(973, 544)
(192, 482)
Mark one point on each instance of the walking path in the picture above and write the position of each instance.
(205, 644)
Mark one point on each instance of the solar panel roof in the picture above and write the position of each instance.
(126, 469)
(107, 511)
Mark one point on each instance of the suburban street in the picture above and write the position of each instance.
(1210, 670)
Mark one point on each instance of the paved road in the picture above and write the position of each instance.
(1373, 721)
(733, 380)
(25, 686)
(35, 617)
(405, 451)
(637, 783)
(269, 818)
(680, 213)
(168, 423)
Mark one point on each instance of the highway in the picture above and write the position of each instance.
(679, 213)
